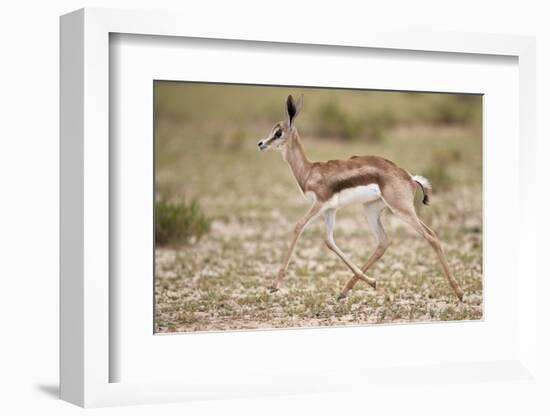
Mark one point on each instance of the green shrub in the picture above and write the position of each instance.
(377, 123)
(461, 109)
(333, 121)
(178, 223)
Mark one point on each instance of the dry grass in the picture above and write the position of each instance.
(219, 282)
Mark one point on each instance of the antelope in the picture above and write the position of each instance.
(373, 181)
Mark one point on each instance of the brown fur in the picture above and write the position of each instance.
(329, 178)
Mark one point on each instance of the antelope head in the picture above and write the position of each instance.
(282, 132)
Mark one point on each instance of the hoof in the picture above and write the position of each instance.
(273, 289)
(374, 285)
(340, 297)
(460, 297)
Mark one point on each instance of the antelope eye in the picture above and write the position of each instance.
(278, 133)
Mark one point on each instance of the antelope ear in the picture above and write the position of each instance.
(293, 108)
(290, 109)
(298, 105)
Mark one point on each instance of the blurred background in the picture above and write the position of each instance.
(224, 211)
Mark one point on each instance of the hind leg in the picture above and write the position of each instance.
(373, 211)
(330, 216)
(401, 204)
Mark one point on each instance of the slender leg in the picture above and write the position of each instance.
(373, 212)
(436, 245)
(429, 235)
(330, 216)
(405, 210)
(298, 228)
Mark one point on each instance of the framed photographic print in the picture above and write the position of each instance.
(241, 213)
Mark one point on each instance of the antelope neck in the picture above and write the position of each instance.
(297, 160)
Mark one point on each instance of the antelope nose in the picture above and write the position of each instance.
(260, 143)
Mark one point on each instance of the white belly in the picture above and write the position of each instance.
(356, 195)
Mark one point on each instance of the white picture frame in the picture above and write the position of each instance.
(86, 356)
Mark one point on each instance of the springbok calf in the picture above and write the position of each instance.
(373, 181)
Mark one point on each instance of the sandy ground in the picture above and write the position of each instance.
(220, 281)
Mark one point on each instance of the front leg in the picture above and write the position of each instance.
(298, 229)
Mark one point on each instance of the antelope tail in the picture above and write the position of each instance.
(426, 188)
